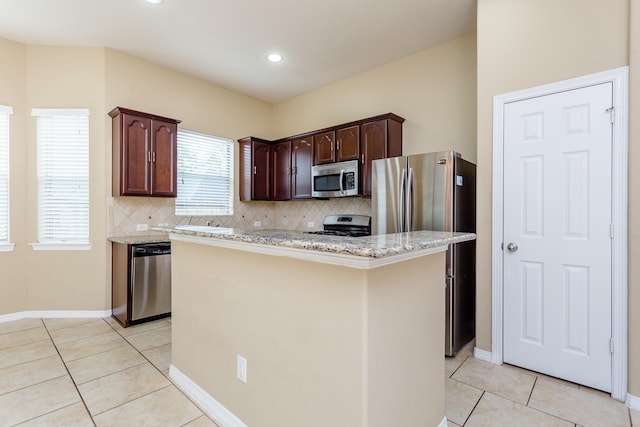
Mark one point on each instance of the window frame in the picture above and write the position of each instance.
(5, 174)
(227, 175)
(61, 244)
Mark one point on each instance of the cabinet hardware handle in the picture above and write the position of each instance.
(362, 158)
(149, 156)
(255, 170)
(153, 157)
(337, 145)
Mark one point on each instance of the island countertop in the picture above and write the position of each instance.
(363, 252)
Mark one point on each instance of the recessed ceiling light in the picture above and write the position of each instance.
(274, 57)
(154, 1)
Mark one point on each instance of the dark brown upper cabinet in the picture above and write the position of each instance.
(144, 154)
(301, 161)
(255, 169)
(323, 147)
(380, 139)
(348, 143)
(281, 170)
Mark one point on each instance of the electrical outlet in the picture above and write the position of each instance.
(163, 224)
(310, 224)
(257, 223)
(241, 369)
(142, 227)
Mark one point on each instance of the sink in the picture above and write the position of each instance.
(204, 229)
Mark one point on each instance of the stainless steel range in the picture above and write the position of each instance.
(345, 225)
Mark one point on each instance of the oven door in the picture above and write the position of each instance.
(335, 179)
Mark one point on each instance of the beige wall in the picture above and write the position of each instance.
(98, 79)
(434, 90)
(45, 77)
(202, 107)
(525, 44)
(13, 91)
(325, 345)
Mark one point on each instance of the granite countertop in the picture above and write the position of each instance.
(372, 247)
(136, 240)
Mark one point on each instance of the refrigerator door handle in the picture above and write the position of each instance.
(401, 202)
(409, 202)
(449, 326)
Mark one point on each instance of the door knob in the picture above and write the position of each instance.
(512, 247)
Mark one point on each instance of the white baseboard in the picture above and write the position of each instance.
(482, 355)
(633, 402)
(443, 423)
(66, 314)
(221, 415)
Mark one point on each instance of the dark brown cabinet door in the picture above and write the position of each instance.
(348, 143)
(245, 169)
(301, 161)
(379, 139)
(323, 147)
(144, 154)
(261, 179)
(374, 146)
(164, 147)
(135, 146)
(281, 171)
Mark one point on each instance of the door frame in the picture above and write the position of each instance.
(619, 77)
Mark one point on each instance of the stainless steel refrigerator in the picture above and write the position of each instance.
(434, 191)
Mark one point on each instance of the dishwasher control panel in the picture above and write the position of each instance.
(148, 249)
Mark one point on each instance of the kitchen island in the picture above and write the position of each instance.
(335, 331)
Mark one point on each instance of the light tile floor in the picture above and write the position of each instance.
(90, 372)
(479, 393)
(76, 372)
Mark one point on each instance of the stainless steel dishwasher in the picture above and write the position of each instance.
(150, 280)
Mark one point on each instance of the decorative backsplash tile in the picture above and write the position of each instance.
(125, 213)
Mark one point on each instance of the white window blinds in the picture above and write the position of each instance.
(205, 174)
(5, 112)
(63, 176)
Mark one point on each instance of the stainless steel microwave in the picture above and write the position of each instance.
(339, 179)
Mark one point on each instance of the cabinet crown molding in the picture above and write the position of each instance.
(121, 110)
(391, 116)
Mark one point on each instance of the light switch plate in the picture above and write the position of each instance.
(241, 369)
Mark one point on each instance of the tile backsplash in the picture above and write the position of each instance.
(125, 213)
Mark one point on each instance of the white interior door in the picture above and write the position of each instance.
(557, 224)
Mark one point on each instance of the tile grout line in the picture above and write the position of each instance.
(474, 408)
(459, 366)
(535, 381)
(76, 385)
(69, 373)
(29, 361)
(171, 383)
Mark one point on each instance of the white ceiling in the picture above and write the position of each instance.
(226, 41)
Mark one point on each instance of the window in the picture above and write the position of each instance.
(5, 112)
(63, 179)
(205, 175)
